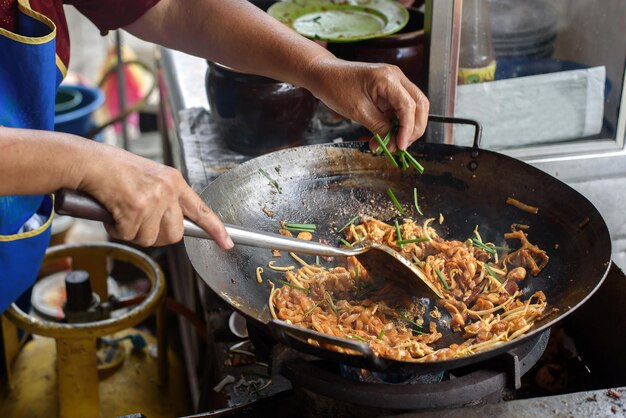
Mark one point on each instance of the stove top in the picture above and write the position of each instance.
(582, 353)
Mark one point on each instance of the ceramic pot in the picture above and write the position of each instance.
(254, 114)
(404, 49)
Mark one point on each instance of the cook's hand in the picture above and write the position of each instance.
(148, 200)
(372, 94)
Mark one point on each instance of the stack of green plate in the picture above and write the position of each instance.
(341, 20)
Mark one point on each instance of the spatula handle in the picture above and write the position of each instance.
(81, 205)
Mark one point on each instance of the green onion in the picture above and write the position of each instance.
(385, 150)
(344, 242)
(478, 237)
(357, 337)
(307, 313)
(364, 292)
(271, 180)
(491, 272)
(385, 141)
(306, 227)
(294, 286)
(398, 232)
(395, 201)
(482, 246)
(414, 162)
(329, 299)
(350, 222)
(412, 240)
(317, 260)
(381, 334)
(357, 278)
(443, 281)
(417, 207)
(403, 162)
(417, 332)
(256, 391)
(299, 229)
(411, 322)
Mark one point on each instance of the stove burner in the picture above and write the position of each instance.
(475, 384)
(364, 375)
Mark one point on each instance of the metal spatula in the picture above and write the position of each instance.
(379, 260)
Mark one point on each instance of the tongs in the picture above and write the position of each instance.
(379, 260)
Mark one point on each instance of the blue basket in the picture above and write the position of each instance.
(77, 120)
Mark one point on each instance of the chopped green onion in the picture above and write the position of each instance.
(344, 242)
(307, 313)
(491, 272)
(271, 180)
(443, 281)
(395, 201)
(482, 246)
(357, 337)
(381, 334)
(385, 150)
(385, 141)
(317, 260)
(412, 240)
(411, 322)
(306, 227)
(417, 332)
(364, 292)
(294, 286)
(403, 162)
(329, 299)
(350, 222)
(414, 162)
(357, 278)
(478, 237)
(417, 206)
(398, 232)
(299, 229)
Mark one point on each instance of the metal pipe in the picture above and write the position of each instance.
(121, 86)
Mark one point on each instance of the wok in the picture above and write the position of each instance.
(329, 184)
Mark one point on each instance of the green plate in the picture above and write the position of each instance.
(341, 20)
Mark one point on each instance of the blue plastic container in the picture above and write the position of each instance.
(77, 119)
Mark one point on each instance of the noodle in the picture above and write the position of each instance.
(346, 301)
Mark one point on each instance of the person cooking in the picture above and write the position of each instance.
(148, 200)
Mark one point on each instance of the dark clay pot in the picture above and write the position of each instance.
(255, 114)
(404, 49)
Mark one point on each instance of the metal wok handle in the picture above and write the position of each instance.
(478, 128)
(72, 203)
(284, 331)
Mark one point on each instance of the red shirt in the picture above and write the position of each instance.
(106, 15)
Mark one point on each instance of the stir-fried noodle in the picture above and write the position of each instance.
(479, 282)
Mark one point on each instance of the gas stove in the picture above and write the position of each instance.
(580, 354)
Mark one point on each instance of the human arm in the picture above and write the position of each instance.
(147, 200)
(237, 34)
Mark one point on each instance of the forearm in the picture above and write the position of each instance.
(35, 162)
(234, 33)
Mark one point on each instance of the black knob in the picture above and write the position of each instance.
(78, 291)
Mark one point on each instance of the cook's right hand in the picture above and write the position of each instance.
(148, 200)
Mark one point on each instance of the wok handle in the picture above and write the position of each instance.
(284, 331)
(81, 205)
(478, 128)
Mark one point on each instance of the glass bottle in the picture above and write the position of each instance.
(477, 61)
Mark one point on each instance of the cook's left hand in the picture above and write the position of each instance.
(371, 94)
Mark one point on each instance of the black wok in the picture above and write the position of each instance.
(329, 184)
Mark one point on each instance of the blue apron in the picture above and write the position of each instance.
(29, 78)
